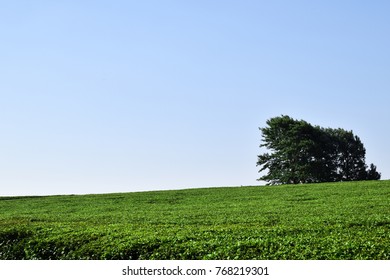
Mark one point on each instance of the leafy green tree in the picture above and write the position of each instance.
(372, 174)
(302, 153)
(348, 154)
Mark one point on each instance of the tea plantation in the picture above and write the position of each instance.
(349, 220)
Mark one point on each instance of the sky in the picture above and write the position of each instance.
(124, 96)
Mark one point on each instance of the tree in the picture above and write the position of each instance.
(302, 153)
(372, 174)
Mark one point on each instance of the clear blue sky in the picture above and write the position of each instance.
(119, 96)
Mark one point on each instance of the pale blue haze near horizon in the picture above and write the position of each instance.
(122, 96)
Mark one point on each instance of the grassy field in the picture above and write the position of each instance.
(348, 220)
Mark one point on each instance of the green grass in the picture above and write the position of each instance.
(349, 220)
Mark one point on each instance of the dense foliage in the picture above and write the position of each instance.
(303, 153)
(349, 220)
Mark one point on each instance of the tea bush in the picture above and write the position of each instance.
(348, 220)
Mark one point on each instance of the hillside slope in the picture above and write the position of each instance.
(348, 220)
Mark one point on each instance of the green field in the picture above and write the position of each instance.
(349, 220)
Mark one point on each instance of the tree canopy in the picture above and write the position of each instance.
(302, 153)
